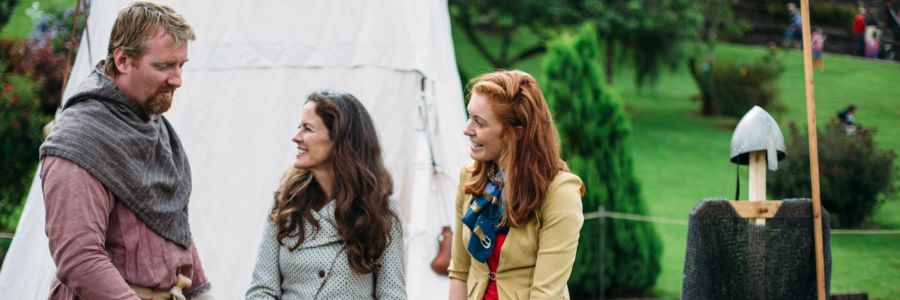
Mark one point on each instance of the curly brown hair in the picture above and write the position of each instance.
(362, 188)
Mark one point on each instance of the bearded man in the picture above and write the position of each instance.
(116, 180)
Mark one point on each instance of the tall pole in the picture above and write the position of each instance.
(813, 149)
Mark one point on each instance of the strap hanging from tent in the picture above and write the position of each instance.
(737, 182)
(426, 122)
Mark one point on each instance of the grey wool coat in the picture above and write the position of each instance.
(319, 268)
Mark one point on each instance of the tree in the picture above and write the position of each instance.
(481, 21)
(644, 33)
(594, 132)
(717, 22)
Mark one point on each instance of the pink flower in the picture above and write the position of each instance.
(7, 88)
(14, 100)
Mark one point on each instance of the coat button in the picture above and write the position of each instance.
(321, 274)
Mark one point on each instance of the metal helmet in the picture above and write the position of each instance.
(757, 131)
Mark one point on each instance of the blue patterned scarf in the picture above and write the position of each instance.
(484, 216)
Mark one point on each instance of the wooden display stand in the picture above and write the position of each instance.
(758, 208)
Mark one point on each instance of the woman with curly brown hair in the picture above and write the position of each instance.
(334, 230)
(519, 209)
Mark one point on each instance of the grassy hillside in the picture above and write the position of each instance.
(681, 157)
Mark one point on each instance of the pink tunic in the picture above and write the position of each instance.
(100, 246)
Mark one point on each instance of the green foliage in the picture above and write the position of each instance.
(42, 57)
(647, 34)
(735, 87)
(480, 20)
(38, 61)
(21, 127)
(594, 132)
(855, 176)
(718, 23)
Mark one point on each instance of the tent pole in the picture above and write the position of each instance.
(813, 149)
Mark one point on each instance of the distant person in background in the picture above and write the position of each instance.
(818, 47)
(873, 34)
(872, 18)
(791, 34)
(888, 8)
(859, 31)
(872, 41)
(847, 119)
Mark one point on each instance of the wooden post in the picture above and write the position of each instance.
(757, 186)
(602, 218)
(813, 149)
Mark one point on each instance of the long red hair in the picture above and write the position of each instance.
(531, 158)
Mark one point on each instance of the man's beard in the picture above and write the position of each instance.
(157, 104)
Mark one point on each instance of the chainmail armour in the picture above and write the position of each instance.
(727, 257)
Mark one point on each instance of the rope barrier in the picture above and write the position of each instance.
(633, 217)
(863, 232)
(674, 221)
(668, 221)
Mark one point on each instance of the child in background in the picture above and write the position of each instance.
(792, 34)
(818, 45)
(872, 39)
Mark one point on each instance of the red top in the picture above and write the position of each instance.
(859, 25)
(493, 261)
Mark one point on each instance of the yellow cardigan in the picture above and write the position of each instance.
(536, 259)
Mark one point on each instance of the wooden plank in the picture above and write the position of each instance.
(757, 185)
(759, 210)
(813, 149)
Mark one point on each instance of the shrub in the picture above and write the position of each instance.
(40, 63)
(737, 86)
(595, 133)
(55, 29)
(21, 127)
(854, 175)
(43, 55)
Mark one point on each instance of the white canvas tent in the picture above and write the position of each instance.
(249, 73)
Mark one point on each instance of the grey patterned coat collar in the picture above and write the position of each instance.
(327, 233)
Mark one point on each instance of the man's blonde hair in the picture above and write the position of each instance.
(135, 25)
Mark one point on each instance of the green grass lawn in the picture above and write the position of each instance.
(681, 157)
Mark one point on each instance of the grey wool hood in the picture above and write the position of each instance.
(138, 158)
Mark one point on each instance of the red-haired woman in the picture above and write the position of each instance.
(519, 212)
